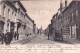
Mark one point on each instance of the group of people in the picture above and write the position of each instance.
(8, 37)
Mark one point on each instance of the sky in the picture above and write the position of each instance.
(42, 11)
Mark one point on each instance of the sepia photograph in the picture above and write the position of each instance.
(47, 22)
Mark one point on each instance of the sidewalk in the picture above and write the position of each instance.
(21, 37)
(66, 40)
(73, 41)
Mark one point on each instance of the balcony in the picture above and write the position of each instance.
(2, 19)
(18, 21)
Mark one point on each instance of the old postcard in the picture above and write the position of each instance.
(39, 26)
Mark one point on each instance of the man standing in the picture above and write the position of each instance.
(7, 37)
(11, 36)
(48, 36)
(17, 35)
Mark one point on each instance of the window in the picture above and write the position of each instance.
(72, 17)
(13, 14)
(24, 16)
(21, 14)
(15, 17)
(73, 31)
(24, 27)
(76, 13)
(4, 11)
(76, 2)
(9, 13)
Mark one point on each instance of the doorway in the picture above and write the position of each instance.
(73, 30)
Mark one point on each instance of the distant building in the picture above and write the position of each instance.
(41, 31)
(29, 25)
(47, 31)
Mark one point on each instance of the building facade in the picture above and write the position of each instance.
(66, 21)
(29, 25)
(71, 20)
(13, 16)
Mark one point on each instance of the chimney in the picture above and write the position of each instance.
(61, 5)
(65, 3)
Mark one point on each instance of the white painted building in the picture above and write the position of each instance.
(13, 16)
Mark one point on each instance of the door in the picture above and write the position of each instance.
(1, 26)
(73, 32)
(78, 31)
(12, 27)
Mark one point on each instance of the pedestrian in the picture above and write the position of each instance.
(17, 36)
(48, 36)
(11, 36)
(6, 37)
(27, 35)
(2, 37)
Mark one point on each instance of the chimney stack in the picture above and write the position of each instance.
(61, 6)
(65, 3)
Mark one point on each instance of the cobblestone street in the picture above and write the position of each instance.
(36, 39)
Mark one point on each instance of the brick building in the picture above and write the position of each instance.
(67, 21)
(71, 20)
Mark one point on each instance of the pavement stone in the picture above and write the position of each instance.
(71, 40)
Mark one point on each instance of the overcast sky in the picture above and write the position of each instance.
(42, 11)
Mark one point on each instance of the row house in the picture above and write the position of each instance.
(67, 21)
(58, 17)
(13, 17)
(20, 24)
(71, 21)
(8, 12)
(29, 25)
(41, 31)
(35, 30)
(47, 31)
(51, 28)
(56, 25)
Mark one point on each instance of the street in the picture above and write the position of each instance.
(37, 39)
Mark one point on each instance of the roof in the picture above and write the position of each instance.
(11, 4)
(70, 5)
(29, 18)
(21, 6)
